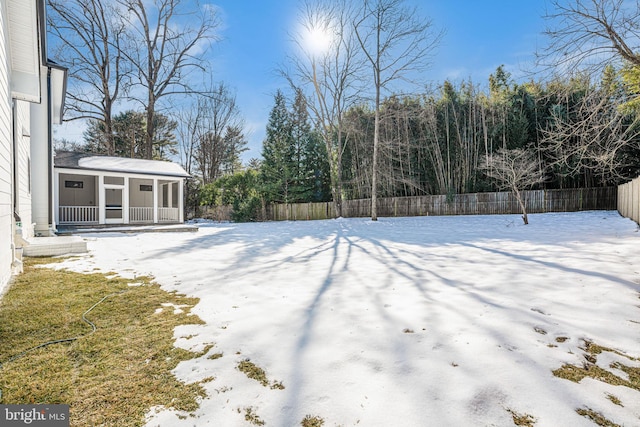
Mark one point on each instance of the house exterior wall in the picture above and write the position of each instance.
(85, 196)
(6, 156)
(137, 197)
(23, 140)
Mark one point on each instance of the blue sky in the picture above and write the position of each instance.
(480, 36)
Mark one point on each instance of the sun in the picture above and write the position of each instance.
(317, 39)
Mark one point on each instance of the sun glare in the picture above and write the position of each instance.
(317, 40)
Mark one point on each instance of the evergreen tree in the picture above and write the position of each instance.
(129, 129)
(277, 169)
(317, 169)
(300, 135)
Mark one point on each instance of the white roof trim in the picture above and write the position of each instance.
(24, 39)
(126, 165)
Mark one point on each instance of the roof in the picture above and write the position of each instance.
(24, 21)
(95, 162)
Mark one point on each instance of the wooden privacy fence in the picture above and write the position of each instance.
(629, 200)
(537, 201)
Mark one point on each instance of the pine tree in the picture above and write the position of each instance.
(277, 169)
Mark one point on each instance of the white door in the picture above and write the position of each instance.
(113, 208)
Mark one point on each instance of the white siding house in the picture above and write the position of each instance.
(6, 156)
(26, 85)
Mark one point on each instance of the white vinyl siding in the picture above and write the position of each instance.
(6, 170)
(22, 134)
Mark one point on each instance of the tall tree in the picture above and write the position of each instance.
(590, 33)
(593, 137)
(398, 43)
(87, 36)
(166, 42)
(128, 131)
(277, 153)
(301, 139)
(216, 132)
(327, 66)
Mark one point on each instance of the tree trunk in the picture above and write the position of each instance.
(374, 161)
(523, 207)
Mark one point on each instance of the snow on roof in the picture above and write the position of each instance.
(89, 161)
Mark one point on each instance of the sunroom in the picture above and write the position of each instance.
(91, 189)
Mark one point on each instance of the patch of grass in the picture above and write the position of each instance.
(312, 421)
(596, 417)
(408, 331)
(215, 356)
(525, 420)
(561, 339)
(253, 371)
(577, 374)
(590, 369)
(540, 330)
(110, 377)
(252, 417)
(595, 349)
(614, 399)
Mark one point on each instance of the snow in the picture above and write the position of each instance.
(120, 164)
(400, 322)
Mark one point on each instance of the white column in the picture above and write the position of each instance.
(100, 202)
(125, 201)
(181, 200)
(155, 200)
(56, 200)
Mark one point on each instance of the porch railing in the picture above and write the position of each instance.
(89, 214)
(78, 214)
(168, 214)
(140, 214)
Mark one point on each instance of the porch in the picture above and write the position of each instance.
(105, 199)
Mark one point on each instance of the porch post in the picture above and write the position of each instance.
(101, 203)
(181, 200)
(56, 199)
(125, 201)
(155, 200)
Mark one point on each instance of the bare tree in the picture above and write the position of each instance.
(166, 43)
(88, 35)
(589, 33)
(592, 135)
(398, 43)
(514, 170)
(211, 133)
(328, 66)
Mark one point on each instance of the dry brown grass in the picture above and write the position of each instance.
(591, 370)
(524, 420)
(111, 377)
(312, 421)
(596, 417)
(253, 371)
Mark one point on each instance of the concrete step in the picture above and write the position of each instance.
(54, 246)
(69, 230)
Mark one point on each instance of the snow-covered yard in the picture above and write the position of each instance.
(428, 321)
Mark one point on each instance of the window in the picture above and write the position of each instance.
(114, 180)
(73, 184)
(145, 187)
